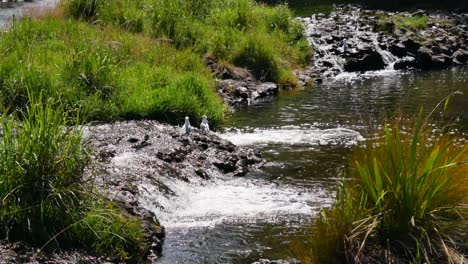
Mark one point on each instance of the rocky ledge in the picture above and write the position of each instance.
(135, 160)
(352, 39)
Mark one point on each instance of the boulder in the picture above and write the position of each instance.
(405, 63)
(370, 61)
(424, 58)
(281, 261)
(411, 45)
(461, 56)
(398, 50)
(440, 61)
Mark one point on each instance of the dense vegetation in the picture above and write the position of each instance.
(404, 198)
(133, 60)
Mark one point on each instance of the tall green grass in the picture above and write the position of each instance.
(406, 195)
(104, 73)
(223, 29)
(43, 200)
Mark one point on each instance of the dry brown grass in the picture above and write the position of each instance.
(44, 12)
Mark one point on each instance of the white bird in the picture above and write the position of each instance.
(204, 126)
(187, 126)
(345, 45)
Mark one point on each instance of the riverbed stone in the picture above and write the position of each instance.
(370, 61)
(405, 63)
(461, 56)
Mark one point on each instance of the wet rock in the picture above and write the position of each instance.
(411, 45)
(441, 61)
(405, 63)
(12, 253)
(370, 61)
(461, 56)
(424, 58)
(419, 12)
(239, 93)
(398, 50)
(129, 175)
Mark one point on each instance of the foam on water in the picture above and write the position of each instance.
(235, 200)
(294, 135)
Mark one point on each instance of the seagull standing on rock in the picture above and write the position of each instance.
(187, 127)
(204, 126)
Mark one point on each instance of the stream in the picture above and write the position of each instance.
(306, 137)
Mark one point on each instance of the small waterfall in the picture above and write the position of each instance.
(342, 36)
(233, 200)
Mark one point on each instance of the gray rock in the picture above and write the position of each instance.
(281, 261)
(398, 49)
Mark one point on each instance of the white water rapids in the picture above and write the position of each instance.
(224, 200)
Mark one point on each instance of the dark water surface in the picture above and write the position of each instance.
(306, 137)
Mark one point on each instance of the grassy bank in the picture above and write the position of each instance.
(404, 200)
(145, 59)
(103, 72)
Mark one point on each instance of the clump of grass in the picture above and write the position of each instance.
(41, 164)
(408, 22)
(406, 197)
(414, 23)
(43, 199)
(258, 55)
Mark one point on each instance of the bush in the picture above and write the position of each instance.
(404, 199)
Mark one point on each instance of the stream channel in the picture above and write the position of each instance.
(306, 137)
